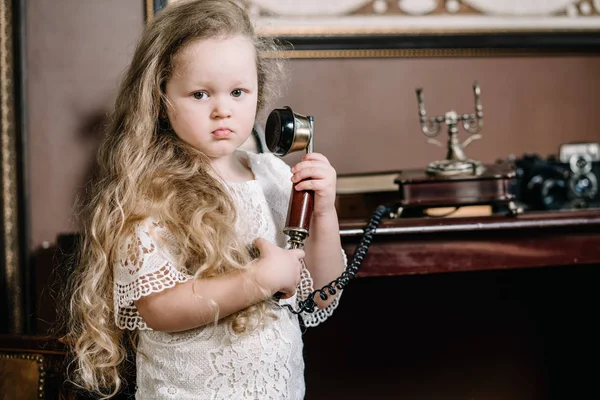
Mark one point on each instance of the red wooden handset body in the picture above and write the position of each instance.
(300, 209)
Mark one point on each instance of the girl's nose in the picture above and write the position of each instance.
(221, 109)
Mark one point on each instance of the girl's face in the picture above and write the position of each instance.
(212, 94)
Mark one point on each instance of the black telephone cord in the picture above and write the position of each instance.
(310, 305)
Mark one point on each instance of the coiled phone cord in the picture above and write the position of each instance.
(310, 305)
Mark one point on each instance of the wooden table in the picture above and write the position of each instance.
(433, 245)
(498, 327)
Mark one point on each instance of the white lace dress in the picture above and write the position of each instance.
(213, 362)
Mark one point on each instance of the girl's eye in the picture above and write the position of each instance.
(200, 95)
(237, 93)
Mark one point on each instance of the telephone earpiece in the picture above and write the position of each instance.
(286, 131)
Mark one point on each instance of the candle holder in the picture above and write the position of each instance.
(456, 162)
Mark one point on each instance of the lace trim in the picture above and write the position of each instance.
(313, 319)
(306, 287)
(126, 315)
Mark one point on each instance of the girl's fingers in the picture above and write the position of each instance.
(306, 173)
(298, 253)
(311, 184)
(307, 164)
(316, 157)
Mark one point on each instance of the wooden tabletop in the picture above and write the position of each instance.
(433, 245)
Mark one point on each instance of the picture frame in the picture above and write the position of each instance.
(15, 294)
(425, 28)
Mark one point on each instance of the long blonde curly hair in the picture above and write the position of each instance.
(145, 170)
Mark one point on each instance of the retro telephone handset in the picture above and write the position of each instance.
(285, 132)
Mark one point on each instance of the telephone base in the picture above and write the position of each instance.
(414, 193)
(420, 190)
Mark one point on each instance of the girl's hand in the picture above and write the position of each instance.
(314, 172)
(278, 270)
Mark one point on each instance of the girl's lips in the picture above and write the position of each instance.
(221, 133)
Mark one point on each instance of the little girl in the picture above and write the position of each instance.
(176, 211)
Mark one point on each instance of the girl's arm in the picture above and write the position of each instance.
(199, 302)
(324, 258)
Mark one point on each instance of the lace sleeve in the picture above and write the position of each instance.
(306, 287)
(144, 266)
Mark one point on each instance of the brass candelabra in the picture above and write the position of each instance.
(456, 162)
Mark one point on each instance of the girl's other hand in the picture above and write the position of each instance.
(278, 270)
(314, 172)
